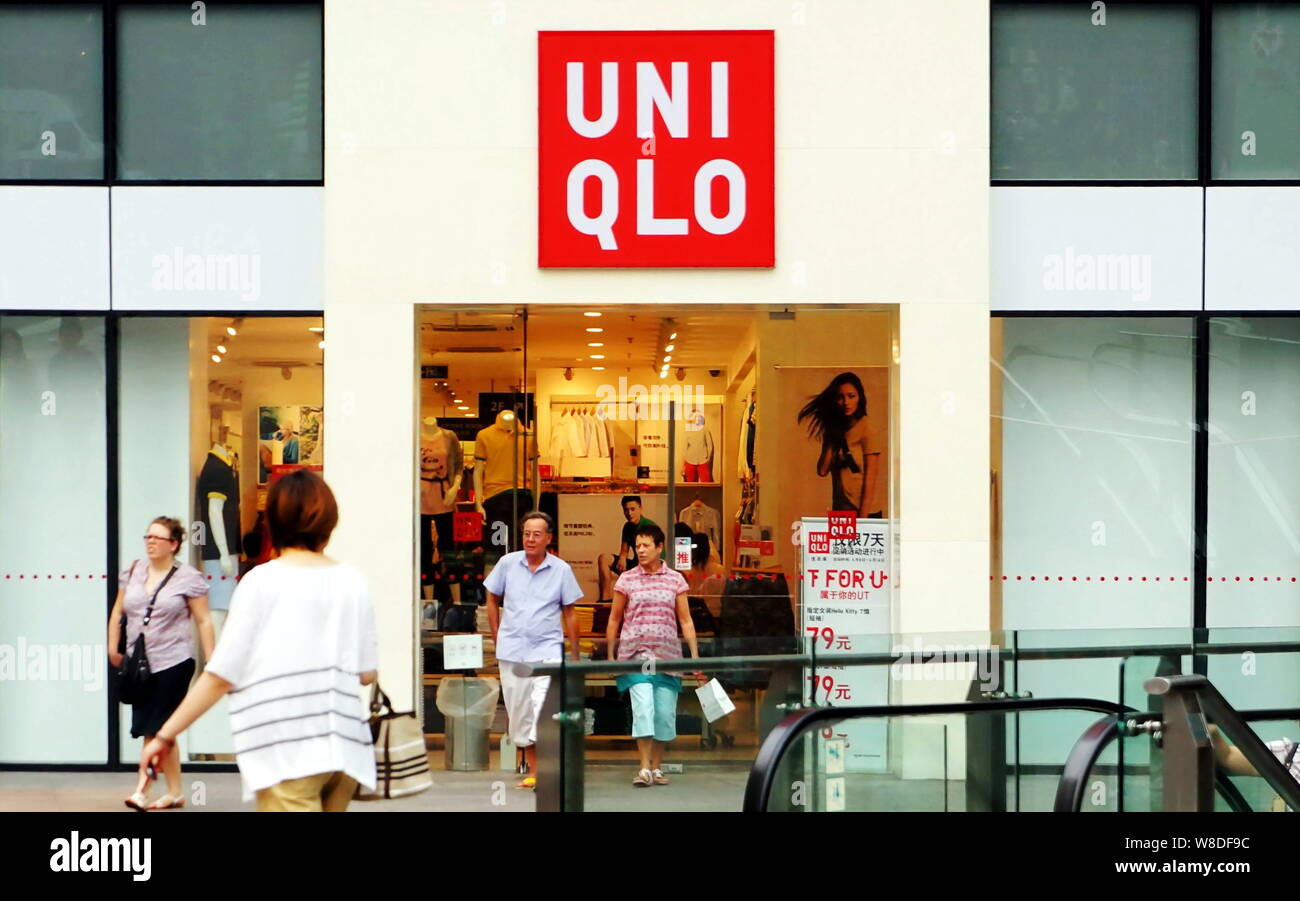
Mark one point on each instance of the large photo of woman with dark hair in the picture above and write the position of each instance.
(837, 417)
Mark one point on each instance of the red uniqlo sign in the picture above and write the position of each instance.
(655, 148)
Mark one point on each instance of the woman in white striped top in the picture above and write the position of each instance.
(299, 640)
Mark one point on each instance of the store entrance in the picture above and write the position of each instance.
(725, 427)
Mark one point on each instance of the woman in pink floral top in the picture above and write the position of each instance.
(649, 604)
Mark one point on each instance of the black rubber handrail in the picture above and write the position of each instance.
(761, 776)
(1078, 765)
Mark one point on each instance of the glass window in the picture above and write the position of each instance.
(1094, 94)
(1254, 485)
(53, 586)
(1096, 464)
(51, 92)
(1256, 77)
(206, 421)
(237, 97)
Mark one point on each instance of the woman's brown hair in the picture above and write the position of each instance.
(301, 511)
(175, 531)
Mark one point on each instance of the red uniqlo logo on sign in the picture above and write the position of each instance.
(843, 524)
(655, 148)
(467, 526)
(819, 542)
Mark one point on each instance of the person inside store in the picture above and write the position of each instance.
(706, 577)
(159, 601)
(608, 568)
(301, 629)
(537, 590)
(650, 603)
(838, 418)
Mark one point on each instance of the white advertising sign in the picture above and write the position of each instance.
(846, 593)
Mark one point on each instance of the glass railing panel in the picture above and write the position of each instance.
(1255, 668)
(937, 762)
(704, 755)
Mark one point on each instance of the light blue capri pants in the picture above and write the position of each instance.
(654, 705)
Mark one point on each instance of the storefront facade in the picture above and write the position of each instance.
(427, 216)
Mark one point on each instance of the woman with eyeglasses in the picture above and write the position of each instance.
(159, 596)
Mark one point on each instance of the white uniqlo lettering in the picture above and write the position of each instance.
(601, 226)
(672, 104)
(651, 95)
(704, 197)
(578, 120)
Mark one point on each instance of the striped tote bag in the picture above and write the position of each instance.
(401, 761)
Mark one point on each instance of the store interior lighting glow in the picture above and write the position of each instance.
(595, 343)
(672, 337)
(315, 328)
(230, 330)
(462, 407)
(221, 349)
(667, 360)
(592, 314)
(595, 329)
(321, 344)
(597, 356)
(670, 347)
(598, 369)
(216, 359)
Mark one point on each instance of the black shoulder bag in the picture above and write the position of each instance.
(134, 685)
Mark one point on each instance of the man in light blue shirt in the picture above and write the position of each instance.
(539, 591)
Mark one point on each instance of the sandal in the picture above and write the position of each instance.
(659, 777)
(138, 801)
(168, 802)
(529, 782)
(642, 778)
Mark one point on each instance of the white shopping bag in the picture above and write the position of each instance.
(714, 701)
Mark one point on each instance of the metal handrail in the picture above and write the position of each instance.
(884, 659)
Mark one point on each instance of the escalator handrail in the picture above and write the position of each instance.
(1073, 787)
(1073, 784)
(785, 733)
(1239, 732)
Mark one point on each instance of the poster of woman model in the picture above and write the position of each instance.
(288, 434)
(838, 458)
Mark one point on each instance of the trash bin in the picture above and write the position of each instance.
(469, 704)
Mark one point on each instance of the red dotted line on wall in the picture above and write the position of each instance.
(1141, 578)
(36, 577)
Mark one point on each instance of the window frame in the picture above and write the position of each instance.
(110, 10)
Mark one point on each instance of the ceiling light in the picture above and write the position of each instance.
(663, 373)
(321, 344)
(462, 407)
(595, 343)
(230, 330)
(670, 347)
(594, 329)
(315, 328)
(470, 415)
(672, 337)
(598, 369)
(592, 314)
(667, 360)
(221, 349)
(596, 357)
(216, 359)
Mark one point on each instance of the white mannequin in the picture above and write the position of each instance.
(506, 422)
(215, 507)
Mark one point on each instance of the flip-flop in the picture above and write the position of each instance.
(168, 802)
(138, 801)
(642, 779)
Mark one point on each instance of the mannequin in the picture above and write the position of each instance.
(217, 493)
(441, 472)
(502, 486)
(697, 456)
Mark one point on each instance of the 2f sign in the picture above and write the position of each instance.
(655, 148)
